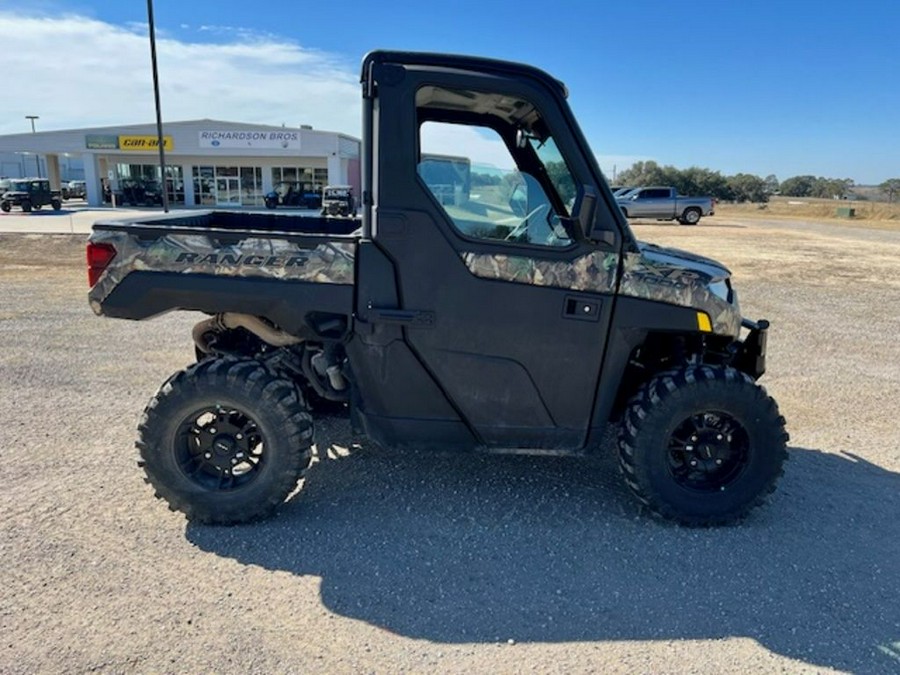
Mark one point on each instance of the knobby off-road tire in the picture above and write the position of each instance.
(225, 441)
(702, 445)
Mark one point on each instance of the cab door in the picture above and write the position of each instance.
(476, 179)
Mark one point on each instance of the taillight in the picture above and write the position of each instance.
(98, 258)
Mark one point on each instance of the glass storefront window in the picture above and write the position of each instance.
(147, 176)
(228, 186)
(310, 179)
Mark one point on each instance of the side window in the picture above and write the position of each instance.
(473, 176)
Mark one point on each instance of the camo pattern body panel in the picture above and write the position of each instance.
(653, 275)
(327, 263)
(650, 275)
(592, 272)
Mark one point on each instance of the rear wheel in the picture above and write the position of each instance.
(56, 204)
(271, 203)
(702, 445)
(225, 441)
(26, 206)
(690, 217)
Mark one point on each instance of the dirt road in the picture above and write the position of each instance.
(421, 562)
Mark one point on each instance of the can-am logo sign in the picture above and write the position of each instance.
(284, 140)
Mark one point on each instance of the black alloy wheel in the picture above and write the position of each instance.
(220, 448)
(708, 451)
(701, 445)
(225, 441)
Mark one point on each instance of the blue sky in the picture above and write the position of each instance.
(791, 87)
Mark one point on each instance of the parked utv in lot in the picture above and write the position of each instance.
(28, 194)
(337, 200)
(504, 318)
(293, 194)
(77, 189)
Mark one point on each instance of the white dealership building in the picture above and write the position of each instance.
(208, 162)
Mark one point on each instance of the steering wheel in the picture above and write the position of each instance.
(522, 227)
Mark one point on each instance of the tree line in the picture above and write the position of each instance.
(742, 187)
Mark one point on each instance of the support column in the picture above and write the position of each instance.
(92, 179)
(335, 174)
(187, 176)
(53, 171)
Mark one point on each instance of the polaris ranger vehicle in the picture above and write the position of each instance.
(522, 314)
(28, 194)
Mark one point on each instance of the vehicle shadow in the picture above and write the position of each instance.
(480, 548)
(40, 212)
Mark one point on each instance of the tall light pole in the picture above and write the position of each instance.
(37, 157)
(159, 129)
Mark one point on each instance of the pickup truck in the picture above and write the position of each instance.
(664, 203)
(506, 313)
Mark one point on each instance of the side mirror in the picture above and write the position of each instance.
(585, 207)
(584, 212)
(634, 197)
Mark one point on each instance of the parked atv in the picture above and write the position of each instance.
(30, 193)
(293, 194)
(337, 200)
(138, 192)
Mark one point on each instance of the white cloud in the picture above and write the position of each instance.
(83, 73)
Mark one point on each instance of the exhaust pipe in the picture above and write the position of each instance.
(261, 329)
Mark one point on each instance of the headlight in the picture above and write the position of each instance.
(721, 288)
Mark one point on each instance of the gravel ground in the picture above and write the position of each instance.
(418, 562)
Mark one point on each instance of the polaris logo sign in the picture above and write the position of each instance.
(283, 140)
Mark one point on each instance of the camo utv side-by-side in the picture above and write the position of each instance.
(468, 307)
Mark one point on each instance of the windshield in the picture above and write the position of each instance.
(18, 186)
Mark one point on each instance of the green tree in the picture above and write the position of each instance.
(891, 187)
(831, 188)
(798, 186)
(642, 173)
(746, 187)
(772, 184)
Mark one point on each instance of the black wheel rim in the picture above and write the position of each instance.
(220, 448)
(708, 452)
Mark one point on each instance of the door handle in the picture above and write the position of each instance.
(581, 309)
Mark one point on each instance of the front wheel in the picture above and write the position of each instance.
(271, 203)
(56, 204)
(5, 207)
(702, 445)
(690, 217)
(225, 441)
(26, 206)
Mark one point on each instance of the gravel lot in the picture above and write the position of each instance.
(419, 562)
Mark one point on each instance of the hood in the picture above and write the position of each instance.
(680, 278)
(676, 257)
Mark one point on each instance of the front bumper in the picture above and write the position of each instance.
(751, 351)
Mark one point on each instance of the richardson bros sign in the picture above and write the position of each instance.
(282, 139)
(126, 143)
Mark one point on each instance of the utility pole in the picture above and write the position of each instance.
(37, 157)
(159, 129)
